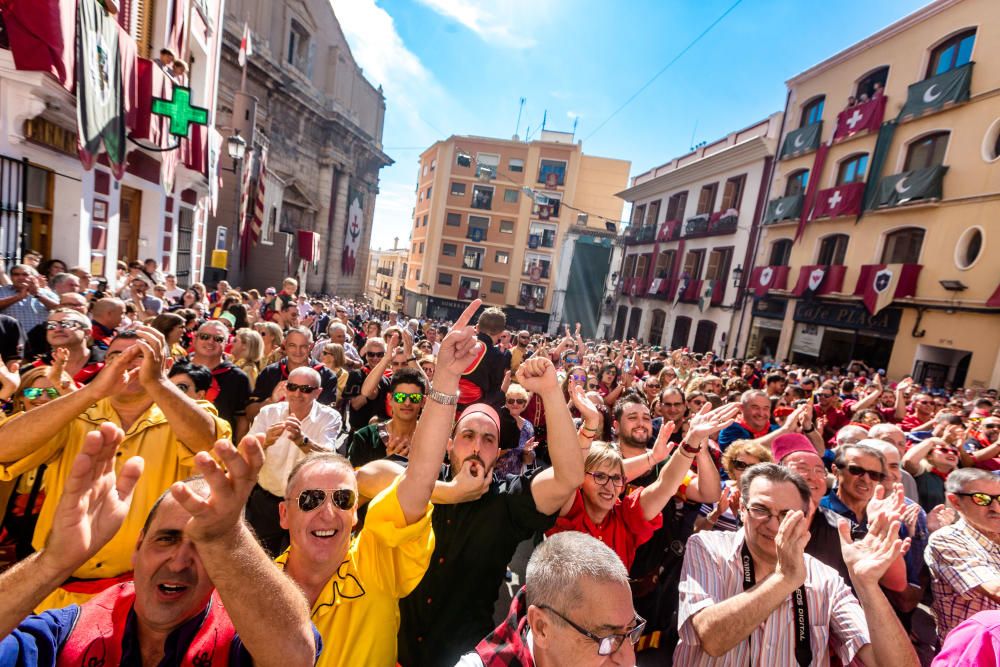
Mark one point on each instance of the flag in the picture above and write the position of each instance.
(257, 221)
(909, 186)
(41, 35)
(879, 156)
(353, 230)
(681, 288)
(783, 208)
(933, 93)
(246, 46)
(841, 200)
(801, 140)
(214, 177)
(880, 284)
(765, 278)
(817, 279)
(865, 117)
(811, 188)
(707, 288)
(100, 104)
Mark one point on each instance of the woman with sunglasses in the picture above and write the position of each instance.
(273, 339)
(723, 515)
(930, 462)
(608, 386)
(514, 460)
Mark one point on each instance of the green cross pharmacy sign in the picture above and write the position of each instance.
(180, 111)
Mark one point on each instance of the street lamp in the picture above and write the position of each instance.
(737, 274)
(237, 146)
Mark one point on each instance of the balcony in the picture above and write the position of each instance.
(718, 292)
(908, 187)
(845, 199)
(692, 291)
(947, 88)
(784, 208)
(724, 222)
(801, 141)
(818, 279)
(467, 293)
(697, 225)
(647, 234)
(866, 117)
(670, 231)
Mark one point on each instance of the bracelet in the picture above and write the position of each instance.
(583, 434)
(442, 398)
(584, 427)
(693, 451)
(810, 429)
(649, 458)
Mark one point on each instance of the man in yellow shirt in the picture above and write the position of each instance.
(161, 424)
(354, 585)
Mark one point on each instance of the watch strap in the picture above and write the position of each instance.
(442, 398)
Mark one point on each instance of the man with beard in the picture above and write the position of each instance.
(189, 602)
(982, 449)
(230, 390)
(672, 407)
(270, 385)
(922, 416)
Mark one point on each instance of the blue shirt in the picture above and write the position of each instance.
(29, 311)
(737, 431)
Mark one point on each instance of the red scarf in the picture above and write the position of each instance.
(755, 434)
(506, 646)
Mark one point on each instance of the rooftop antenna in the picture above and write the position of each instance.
(695, 129)
(576, 120)
(545, 116)
(520, 110)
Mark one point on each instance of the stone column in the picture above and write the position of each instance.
(335, 245)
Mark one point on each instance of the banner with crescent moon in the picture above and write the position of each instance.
(933, 93)
(783, 208)
(802, 140)
(910, 186)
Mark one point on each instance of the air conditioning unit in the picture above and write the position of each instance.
(581, 218)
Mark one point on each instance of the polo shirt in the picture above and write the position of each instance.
(623, 529)
(973, 643)
(167, 460)
(911, 421)
(278, 372)
(452, 608)
(357, 613)
(739, 431)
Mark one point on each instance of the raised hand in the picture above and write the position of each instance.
(940, 516)
(538, 375)
(890, 502)
(586, 407)
(10, 378)
(216, 516)
(868, 559)
(662, 446)
(707, 422)
(909, 518)
(790, 542)
(398, 445)
(94, 501)
(154, 355)
(280, 392)
(460, 347)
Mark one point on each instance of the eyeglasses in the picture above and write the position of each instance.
(981, 499)
(303, 388)
(824, 395)
(672, 405)
(343, 499)
(592, 387)
(602, 478)
(611, 643)
(64, 324)
(516, 401)
(218, 339)
(764, 515)
(402, 396)
(697, 402)
(741, 465)
(578, 378)
(991, 427)
(858, 471)
(32, 393)
(653, 385)
(804, 469)
(376, 355)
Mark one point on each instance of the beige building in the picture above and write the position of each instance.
(527, 226)
(902, 130)
(387, 271)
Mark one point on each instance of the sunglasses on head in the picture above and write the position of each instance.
(343, 499)
(402, 397)
(31, 393)
(217, 338)
(303, 388)
(858, 471)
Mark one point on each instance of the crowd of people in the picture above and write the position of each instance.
(195, 476)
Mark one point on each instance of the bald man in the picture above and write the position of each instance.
(106, 316)
(292, 428)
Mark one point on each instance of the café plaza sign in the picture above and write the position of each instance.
(847, 316)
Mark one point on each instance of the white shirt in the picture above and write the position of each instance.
(321, 426)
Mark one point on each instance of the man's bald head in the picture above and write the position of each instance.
(108, 311)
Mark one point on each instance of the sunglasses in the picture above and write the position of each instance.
(31, 393)
(516, 401)
(217, 339)
(303, 388)
(376, 355)
(741, 465)
(579, 378)
(947, 450)
(858, 471)
(592, 387)
(981, 499)
(402, 396)
(653, 385)
(64, 324)
(343, 499)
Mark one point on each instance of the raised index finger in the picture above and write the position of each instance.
(466, 316)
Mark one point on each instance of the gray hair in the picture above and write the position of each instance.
(336, 326)
(751, 394)
(302, 331)
(840, 460)
(851, 434)
(776, 474)
(959, 479)
(61, 278)
(309, 373)
(883, 446)
(560, 562)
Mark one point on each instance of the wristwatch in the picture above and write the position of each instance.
(442, 398)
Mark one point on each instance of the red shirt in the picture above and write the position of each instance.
(625, 528)
(836, 418)
(911, 421)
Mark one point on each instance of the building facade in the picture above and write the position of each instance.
(492, 218)
(693, 225)
(155, 202)
(388, 271)
(306, 102)
(883, 208)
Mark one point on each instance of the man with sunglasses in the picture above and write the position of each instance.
(921, 416)
(574, 609)
(293, 428)
(964, 558)
(982, 446)
(68, 330)
(392, 438)
(269, 388)
(230, 390)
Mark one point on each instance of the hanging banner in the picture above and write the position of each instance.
(353, 229)
(100, 103)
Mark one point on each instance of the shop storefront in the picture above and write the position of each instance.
(831, 334)
(765, 327)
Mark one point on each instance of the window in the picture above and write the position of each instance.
(797, 181)
(653, 213)
(482, 197)
(706, 198)
(425, 221)
(718, 264)
(478, 228)
(664, 264)
(852, 169)
(506, 226)
(416, 274)
(453, 220)
(953, 52)
(629, 269)
(473, 258)
(449, 249)
(299, 47)
(502, 257)
(866, 86)
(429, 188)
(903, 246)
(511, 196)
(468, 287)
(267, 232)
(546, 205)
(486, 165)
(457, 189)
(463, 160)
(641, 265)
(638, 215)
(732, 194)
(833, 249)
(676, 205)
(812, 112)
(927, 151)
(541, 235)
(434, 164)
(531, 296)
(497, 287)
(969, 247)
(781, 251)
(536, 264)
(516, 165)
(443, 279)
(692, 264)
(552, 172)
(421, 247)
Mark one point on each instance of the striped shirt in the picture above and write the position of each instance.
(960, 559)
(713, 572)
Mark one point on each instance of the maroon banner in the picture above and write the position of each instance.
(865, 117)
(765, 278)
(820, 279)
(812, 187)
(41, 35)
(840, 200)
(880, 284)
(309, 246)
(668, 229)
(994, 301)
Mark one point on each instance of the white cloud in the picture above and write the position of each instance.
(500, 23)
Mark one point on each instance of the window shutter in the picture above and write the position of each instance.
(144, 26)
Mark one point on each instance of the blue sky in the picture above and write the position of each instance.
(461, 66)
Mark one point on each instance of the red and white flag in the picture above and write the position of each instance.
(246, 46)
(880, 284)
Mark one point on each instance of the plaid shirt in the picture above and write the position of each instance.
(960, 559)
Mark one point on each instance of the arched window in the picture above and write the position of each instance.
(927, 151)
(797, 181)
(903, 246)
(833, 249)
(852, 169)
(781, 251)
(951, 53)
(866, 86)
(812, 112)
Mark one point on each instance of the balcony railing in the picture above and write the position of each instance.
(696, 225)
(784, 208)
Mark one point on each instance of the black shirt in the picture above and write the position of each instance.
(452, 608)
(10, 338)
(824, 542)
(278, 372)
(230, 392)
(376, 407)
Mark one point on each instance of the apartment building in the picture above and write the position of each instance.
(495, 218)
(882, 215)
(693, 224)
(387, 270)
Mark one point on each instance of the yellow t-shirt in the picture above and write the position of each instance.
(357, 614)
(167, 460)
